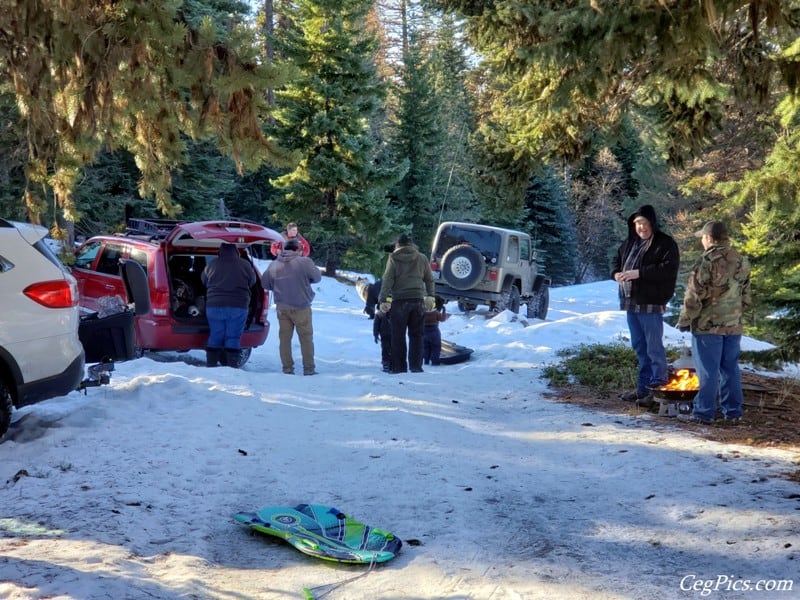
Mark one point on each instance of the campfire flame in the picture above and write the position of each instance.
(684, 380)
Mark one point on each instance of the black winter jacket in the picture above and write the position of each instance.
(658, 271)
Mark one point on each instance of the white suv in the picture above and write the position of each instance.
(41, 355)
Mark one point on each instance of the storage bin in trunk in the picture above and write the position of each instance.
(111, 337)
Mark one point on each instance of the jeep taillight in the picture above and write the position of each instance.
(53, 294)
(492, 275)
(434, 265)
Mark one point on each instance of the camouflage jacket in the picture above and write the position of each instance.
(718, 292)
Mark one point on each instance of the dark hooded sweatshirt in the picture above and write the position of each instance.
(228, 279)
(289, 278)
(407, 276)
(658, 267)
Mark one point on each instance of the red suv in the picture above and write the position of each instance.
(173, 254)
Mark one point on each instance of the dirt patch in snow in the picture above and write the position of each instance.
(771, 411)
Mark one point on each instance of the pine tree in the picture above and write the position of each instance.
(419, 141)
(12, 157)
(550, 224)
(90, 76)
(452, 75)
(337, 192)
(574, 67)
(772, 238)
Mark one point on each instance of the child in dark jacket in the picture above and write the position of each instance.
(382, 331)
(431, 336)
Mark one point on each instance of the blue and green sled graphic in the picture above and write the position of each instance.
(324, 532)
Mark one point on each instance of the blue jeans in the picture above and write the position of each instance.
(432, 344)
(716, 358)
(226, 326)
(647, 332)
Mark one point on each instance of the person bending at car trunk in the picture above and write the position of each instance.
(407, 280)
(228, 280)
(646, 269)
(289, 278)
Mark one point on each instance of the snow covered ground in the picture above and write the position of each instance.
(127, 492)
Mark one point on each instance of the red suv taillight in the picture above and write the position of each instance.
(434, 265)
(52, 294)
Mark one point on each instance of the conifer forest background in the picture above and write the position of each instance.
(361, 119)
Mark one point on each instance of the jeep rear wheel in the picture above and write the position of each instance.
(510, 300)
(462, 267)
(539, 303)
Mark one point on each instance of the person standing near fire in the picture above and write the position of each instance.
(717, 294)
(646, 269)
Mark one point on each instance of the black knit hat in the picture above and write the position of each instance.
(404, 240)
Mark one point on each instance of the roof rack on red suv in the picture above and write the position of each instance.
(153, 228)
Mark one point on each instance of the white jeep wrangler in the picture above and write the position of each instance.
(480, 264)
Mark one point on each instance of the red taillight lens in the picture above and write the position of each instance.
(52, 294)
(492, 275)
(434, 265)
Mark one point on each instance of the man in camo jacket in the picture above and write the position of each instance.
(716, 297)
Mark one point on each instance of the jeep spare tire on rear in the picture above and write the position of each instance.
(463, 267)
(480, 264)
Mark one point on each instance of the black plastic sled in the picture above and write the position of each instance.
(453, 354)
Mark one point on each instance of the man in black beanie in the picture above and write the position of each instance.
(407, 280)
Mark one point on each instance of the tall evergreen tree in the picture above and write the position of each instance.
(337, 192)
(455, 90)
(771, 196)
(419, 141)
(549, 221)
(13, 154)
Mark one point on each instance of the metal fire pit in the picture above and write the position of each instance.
(666, 396)
(673, 401)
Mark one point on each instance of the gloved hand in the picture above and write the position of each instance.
(430, 303)
(684, 328)
(376, 339)
(386, 306)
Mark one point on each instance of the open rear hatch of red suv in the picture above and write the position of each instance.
(210, 234)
